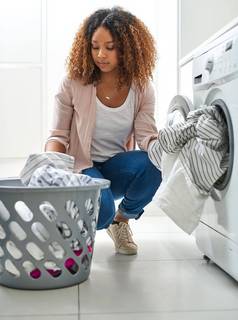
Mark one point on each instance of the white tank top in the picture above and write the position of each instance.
(112, 129)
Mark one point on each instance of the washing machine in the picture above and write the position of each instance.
(215, 82)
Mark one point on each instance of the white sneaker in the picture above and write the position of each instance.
(121, 235)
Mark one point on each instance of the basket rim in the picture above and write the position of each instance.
(102, 184)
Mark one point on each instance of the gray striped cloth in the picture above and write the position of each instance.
(53, 169)
(48, 176)
(202, 143)
(55, 159)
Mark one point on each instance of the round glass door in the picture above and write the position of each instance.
(224, 180)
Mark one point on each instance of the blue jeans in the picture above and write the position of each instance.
(133, 178)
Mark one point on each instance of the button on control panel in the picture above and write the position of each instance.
(223, 60)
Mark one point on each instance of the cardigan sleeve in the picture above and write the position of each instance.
(144, 126)
(62, 114)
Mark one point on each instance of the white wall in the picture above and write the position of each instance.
(21, 81)
(35, 38)
(167, 69)
(186, 83)
(200, 19)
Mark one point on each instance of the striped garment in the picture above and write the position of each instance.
(55, 159)
(202, 145)
(192, 155)
(48, 176)
(53, 169)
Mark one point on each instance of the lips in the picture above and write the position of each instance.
(102, 65)
(102, 62)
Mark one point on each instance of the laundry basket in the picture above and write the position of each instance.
(47, 234)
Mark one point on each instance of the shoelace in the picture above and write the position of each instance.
(125, 233)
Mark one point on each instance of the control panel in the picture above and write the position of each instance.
(217, 65)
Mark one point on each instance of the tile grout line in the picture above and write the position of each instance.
(78, 302)
(160, 312)
(152, 260)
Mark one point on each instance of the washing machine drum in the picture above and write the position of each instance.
(184, 106)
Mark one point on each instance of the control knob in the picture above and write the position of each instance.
(209, 65)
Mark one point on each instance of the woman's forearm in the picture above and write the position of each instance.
(56, 146)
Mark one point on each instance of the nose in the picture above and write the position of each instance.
(101, 53)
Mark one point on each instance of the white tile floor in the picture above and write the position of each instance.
(167, 280)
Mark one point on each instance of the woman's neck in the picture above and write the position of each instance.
(109, 78)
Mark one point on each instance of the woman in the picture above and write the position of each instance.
(103, 108)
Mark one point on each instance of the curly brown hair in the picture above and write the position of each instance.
(134, 43)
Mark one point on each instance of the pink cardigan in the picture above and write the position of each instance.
(74, 120)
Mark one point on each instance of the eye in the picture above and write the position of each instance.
(94, 48)
(110, 48)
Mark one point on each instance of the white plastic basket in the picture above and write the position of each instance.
(47, 234)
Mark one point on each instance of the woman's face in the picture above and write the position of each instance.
(103, 50)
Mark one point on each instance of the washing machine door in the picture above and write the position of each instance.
(216, 98)
(215, 212)
(223, 182)
(182, 104)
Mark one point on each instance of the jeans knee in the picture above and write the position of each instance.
(141, 161)
(151, 172)
(145, 163)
